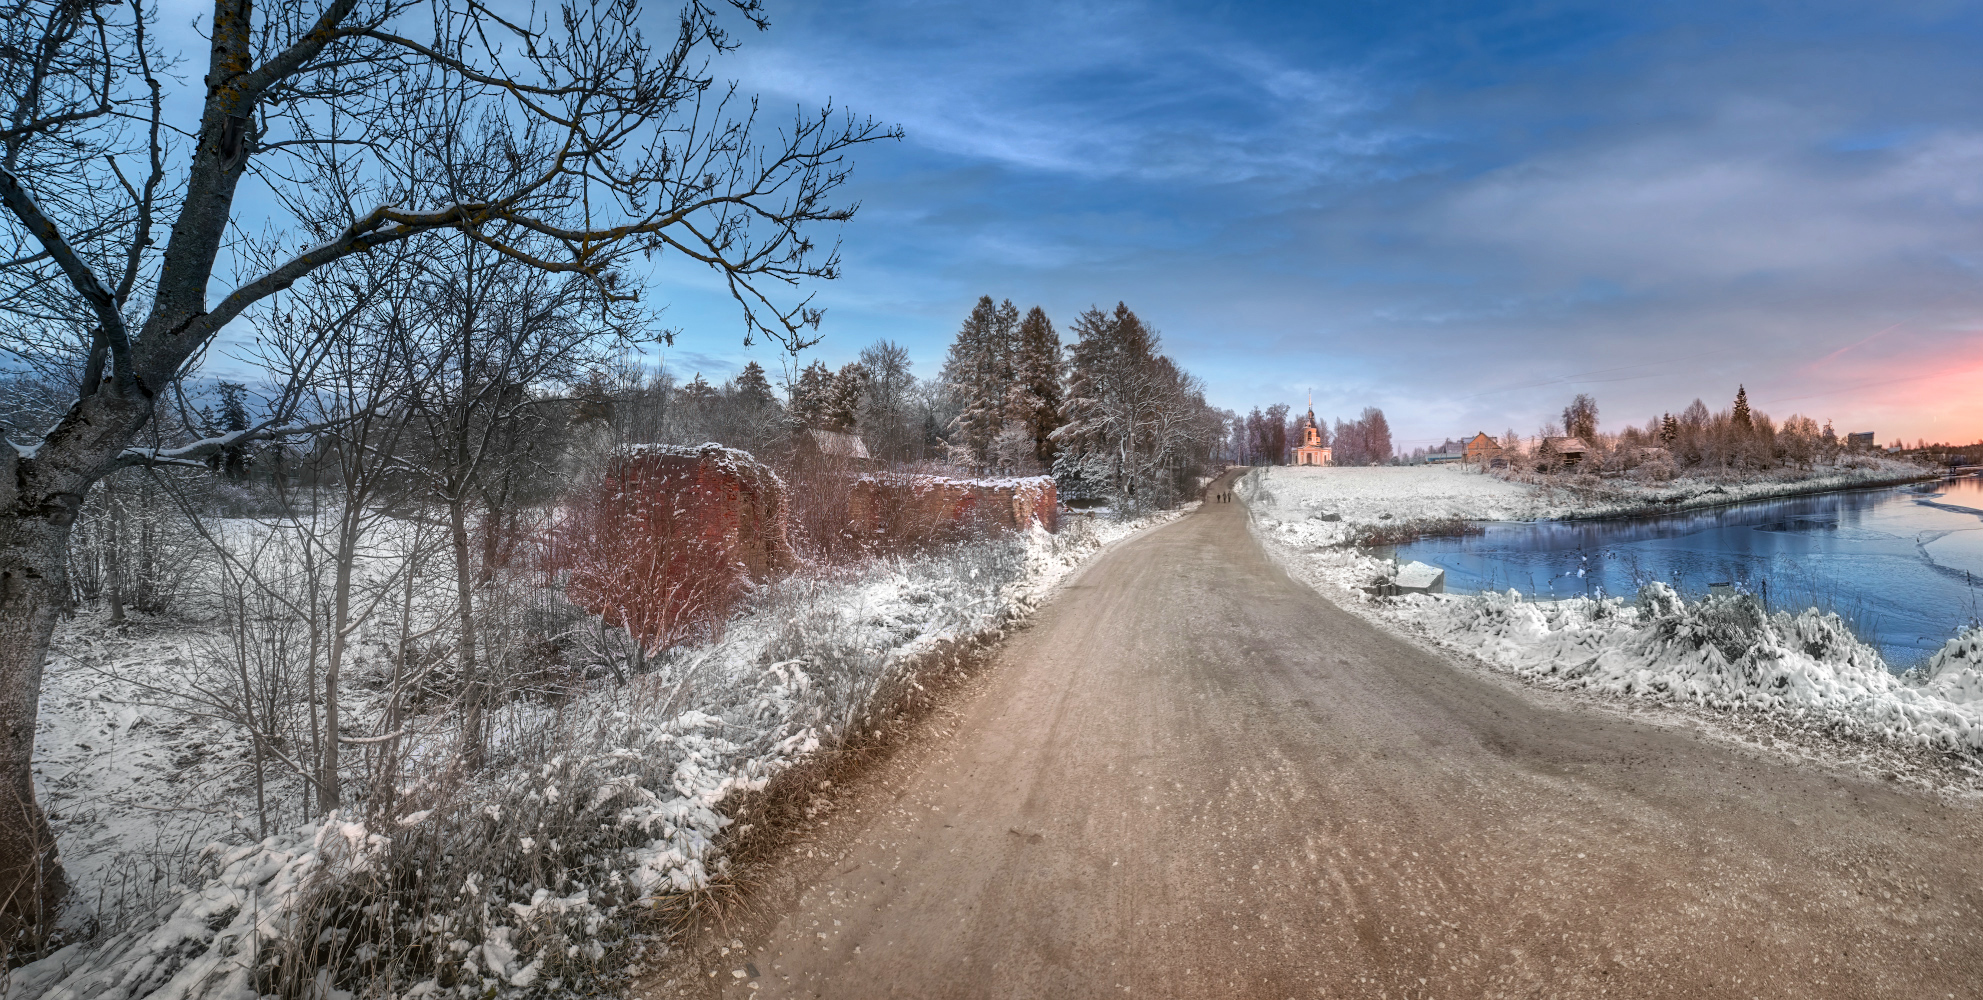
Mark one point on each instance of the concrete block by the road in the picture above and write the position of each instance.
(1420, 578)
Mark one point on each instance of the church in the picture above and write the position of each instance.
(1311, 450)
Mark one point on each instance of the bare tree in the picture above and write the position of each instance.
(490, 331)
(887, 405)
(347, 115)
(1580, 418)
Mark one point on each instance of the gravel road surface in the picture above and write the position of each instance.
(1191, 776)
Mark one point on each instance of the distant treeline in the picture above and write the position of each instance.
(1270, 436)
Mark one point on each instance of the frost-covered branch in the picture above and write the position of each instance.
(195, 453)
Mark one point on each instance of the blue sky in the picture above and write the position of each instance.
(1463, 213)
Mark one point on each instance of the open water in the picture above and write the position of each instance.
(1903, 566)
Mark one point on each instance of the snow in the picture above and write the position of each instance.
(1723, 653)
(1420, 577)
(1367, 495)
(1372, 494)
(128, 775)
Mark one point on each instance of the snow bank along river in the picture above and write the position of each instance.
(1904, 567)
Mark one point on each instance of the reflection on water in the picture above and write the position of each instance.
(1904, 566)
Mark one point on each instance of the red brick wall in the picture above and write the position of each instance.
(925, 505)
(731, 499)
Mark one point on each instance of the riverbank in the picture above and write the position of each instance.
(1726, 655)
(1586, 497)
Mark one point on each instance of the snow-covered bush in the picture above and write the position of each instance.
(1725, 652)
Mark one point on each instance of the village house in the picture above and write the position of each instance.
(1482, 450)
(839, 446)
(1570, 450)
(1311, 450)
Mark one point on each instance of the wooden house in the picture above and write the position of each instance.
(838, 447)
(1481, 449)
(1569, 450)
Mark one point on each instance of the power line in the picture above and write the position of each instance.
(1579, 376)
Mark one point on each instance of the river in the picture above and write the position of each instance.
(1903, 566)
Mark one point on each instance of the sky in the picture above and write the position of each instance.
(1462, 213)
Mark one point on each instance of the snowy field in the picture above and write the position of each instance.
(1367, 495)
(1806, 669)
(1373, 494)
(154, 813)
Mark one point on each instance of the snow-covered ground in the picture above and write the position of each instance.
(1723, 653)
(1369, 495)
(1375, 494)
(1589, 495)
(154, 813)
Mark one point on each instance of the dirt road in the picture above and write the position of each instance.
(1193, 777)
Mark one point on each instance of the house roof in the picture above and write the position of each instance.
(839, 444)
(1568, 445)
(1482, 439)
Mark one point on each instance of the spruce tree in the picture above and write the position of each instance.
(1109, 389)
(811, 396)
(1669, 430)
(1034, 400)
(231, 461)
(753, 389)
(979, 373)
(842, 409)
(1742, 407)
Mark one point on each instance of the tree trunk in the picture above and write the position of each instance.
(473, 689)
(329, 788)
(34, 583)
(40, 496)
(350, 532)
(113, 554)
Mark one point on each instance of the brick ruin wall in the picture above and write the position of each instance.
(737, 502)
(924, 504)
(739, 506)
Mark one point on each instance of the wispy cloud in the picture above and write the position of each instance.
(1411, 206)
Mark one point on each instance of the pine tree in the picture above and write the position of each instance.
(1669, 430)
(1034, 400)
(698, 391)
(1742, 408)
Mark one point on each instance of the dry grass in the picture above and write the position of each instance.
(1405, 531)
